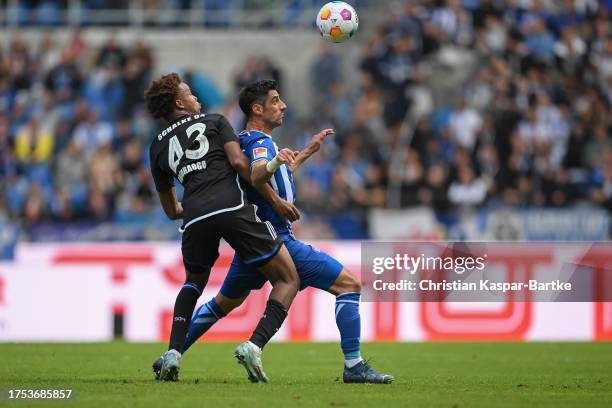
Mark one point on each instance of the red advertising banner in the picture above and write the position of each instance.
(93, 282)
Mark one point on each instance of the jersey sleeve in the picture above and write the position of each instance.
(163, 181)
(226, 131)
(260, 149)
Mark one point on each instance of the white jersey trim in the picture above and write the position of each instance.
(202, 217)
(271, 229)
(287, 182)
(284, 175)
(273, 178)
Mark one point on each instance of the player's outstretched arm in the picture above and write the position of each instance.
(170, 204)
(312, 148)
(262, 170)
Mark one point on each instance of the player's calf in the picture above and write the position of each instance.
(281, 273)
(203, 319)
(345, 283)
(183, 309)
(347, 289)
(348, 321)
(184, 306)
(207, 315)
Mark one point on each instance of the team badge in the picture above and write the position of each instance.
(260, 153)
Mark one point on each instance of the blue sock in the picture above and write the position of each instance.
(349, 324)
(202, 320)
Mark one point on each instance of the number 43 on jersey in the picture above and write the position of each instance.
(176, 153)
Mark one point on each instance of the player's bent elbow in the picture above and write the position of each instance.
(169, 211)
(171, 215)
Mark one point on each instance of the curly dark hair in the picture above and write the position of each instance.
(255, 92)
(161, 95)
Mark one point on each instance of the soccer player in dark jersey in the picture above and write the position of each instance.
(264, 109)
(203, 153)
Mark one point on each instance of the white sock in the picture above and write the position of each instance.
(352, 362)
(256, 347)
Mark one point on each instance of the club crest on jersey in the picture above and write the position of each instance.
(260, 153)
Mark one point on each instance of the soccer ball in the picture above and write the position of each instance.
(337, 21)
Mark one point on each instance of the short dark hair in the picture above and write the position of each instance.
(255, 92)
(162, 94)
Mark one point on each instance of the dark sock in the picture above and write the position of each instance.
(270, 322)
(183, 309)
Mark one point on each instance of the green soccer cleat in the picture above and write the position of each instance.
(170, 366)
(251, 360)
(363, 373)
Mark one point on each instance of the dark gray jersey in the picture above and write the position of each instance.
(191, 150)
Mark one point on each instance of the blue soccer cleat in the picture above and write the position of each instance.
(363, 373)
(169, 370)
(251, 360)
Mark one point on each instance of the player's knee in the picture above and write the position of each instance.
(356, 286)
(350, 282)
(291, 279)
(286, 270)
(199, 280)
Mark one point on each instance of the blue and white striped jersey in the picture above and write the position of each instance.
(260, 146)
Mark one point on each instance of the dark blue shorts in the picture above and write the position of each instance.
(315, 268)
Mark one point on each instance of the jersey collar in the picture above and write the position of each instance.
(180, 118)
(254, 132)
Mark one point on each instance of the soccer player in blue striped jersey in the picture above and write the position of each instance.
(261, 103)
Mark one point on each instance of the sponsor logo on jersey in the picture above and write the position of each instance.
(260, 153)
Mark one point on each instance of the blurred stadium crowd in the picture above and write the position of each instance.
(529, 126)
(164, 13)
(73, 131)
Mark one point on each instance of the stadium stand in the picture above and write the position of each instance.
(528, 126)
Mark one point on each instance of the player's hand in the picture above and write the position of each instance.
(317, 140)
(286, 156)
(287, 211)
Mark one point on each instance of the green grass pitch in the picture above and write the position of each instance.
(451, 375)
